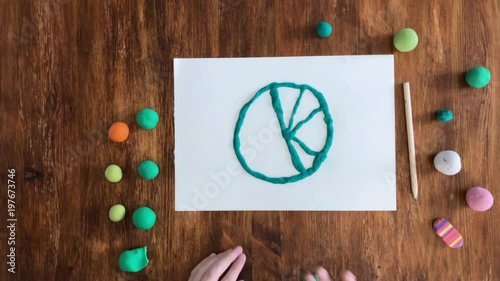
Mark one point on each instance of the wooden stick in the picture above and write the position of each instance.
(411, 140)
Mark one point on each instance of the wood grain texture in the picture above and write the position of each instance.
(71, 68)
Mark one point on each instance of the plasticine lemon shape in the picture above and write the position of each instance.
(288, 132)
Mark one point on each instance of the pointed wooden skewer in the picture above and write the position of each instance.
(411, 140)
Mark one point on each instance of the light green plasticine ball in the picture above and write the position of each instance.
(148, 170)
(134, 260)
(405, 40)
(117, 213)
(478, 77)
(113, 173)
(144, 218)
(147, 118)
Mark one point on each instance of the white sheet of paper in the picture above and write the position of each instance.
(359, 173)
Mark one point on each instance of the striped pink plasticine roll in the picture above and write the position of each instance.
(448, 233)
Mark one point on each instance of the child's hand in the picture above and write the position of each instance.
(323, 275)
(212, 267)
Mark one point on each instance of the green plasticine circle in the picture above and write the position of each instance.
(144, 218)
(288, 133)
(478, 77)
(148, 170)
(134, 260)
(147, 118)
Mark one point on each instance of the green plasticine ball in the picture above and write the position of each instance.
(148, 170)
(113, 173)
(144, 218)
(117, 213)
(444, 115)
(323, 29)
(147, 118)
(478, 77)
(405, 40)
(134, 260)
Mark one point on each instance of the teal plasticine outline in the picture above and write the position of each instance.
(289, 132)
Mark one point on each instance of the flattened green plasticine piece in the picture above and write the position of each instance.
(134, 260)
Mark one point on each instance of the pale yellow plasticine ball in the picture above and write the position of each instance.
(113, 173)
(117, 213)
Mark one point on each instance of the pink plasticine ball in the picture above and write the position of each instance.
(479, 199)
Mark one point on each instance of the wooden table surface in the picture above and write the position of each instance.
(71, 68)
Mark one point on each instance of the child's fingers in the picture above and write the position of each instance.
(197, 272)
(323, 274)
(309, 277)
(222, 262)
(235, 269)
(346, 275)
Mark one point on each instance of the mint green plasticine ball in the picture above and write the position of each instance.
(478, 77)
(148, 170)
(405, 40)
(147, 118)
(144, 218)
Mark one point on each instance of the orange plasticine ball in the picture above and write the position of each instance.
(118, 132)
